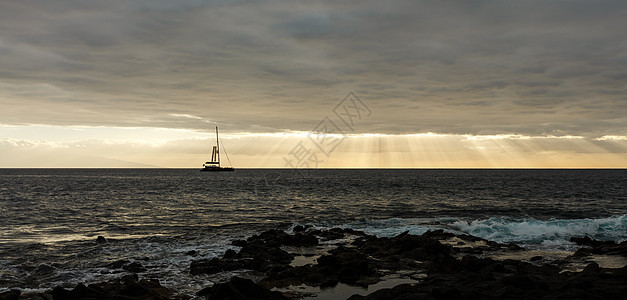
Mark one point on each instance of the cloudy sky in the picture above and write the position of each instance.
(441, 83)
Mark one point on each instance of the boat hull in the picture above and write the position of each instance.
(217, 169)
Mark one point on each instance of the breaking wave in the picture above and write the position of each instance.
(554, 233)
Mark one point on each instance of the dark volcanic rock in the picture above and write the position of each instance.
(437, 234)
(587, 241)
(259, 252)
(101, 239)
(270, 238)
(127, 287)
(301, 228)
(10, 295)
(420, 247)
(303, 240)
(118, 264)
(363, 261)
(403, 251)
(536, 258)
(43, 270)
(349, 265)
(512, 279)
(240, 289)
(276, 238)
(592, 268)
(274, 254)
(134, 267)
(216, 265)
(599, 247)
(230, 254)
(294, 276)
(337, 233)
(343, 264)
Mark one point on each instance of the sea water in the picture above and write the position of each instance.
(166, 218)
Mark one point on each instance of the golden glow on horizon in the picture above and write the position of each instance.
(84, 146)
(612, 138)
(159, 147)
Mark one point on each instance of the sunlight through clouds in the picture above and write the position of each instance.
(447, 83)
(160, 147)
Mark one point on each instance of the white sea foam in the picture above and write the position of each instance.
(553, 234)
(548, 234)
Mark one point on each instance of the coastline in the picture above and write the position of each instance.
(337, 263)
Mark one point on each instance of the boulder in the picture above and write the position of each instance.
(134, 267)
(127, 287)
(240, 289)
(10, 295)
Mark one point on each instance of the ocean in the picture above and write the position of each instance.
(166, 218)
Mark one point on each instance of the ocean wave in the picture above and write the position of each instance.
(553, 233)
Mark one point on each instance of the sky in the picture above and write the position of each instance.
(390, 84)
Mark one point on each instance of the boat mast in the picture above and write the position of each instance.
(217, 146)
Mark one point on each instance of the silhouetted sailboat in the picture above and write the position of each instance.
(214, 164)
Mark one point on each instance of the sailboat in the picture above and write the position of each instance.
(214, 164)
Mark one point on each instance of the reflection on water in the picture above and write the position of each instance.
(166, 218)
(341, 290)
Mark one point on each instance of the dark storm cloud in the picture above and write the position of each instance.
(528, 67)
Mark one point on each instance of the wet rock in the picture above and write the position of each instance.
(422, 247)
(473, 264)
(582, 252)
(511, 279)
(301, 228)
(289, 276)
(230, 254)
(270, 238)
(470, 277)
(60, 293)
(592, 246)
(303, 240)
(43, 270)
(215, 265)
(239, 243)
(259, 252)
(127, 287)
(240, 289)
(550, 270)
(336, 233)
(514, 247)
(348, 264)
(191, 253)
(343, 264)
(276, 238)
(129, 279)
(587, 241)
(592, 268)
(403, 291)
(134, 267)
(118, 264)
(437, 234)
(262, 255)
(404, 250)
(101, 239)
(536, 258)
(470, 238)
(10, 295)
(520, 281)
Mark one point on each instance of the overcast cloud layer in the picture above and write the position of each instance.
(461, 67)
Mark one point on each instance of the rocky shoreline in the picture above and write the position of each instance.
(436, 265)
